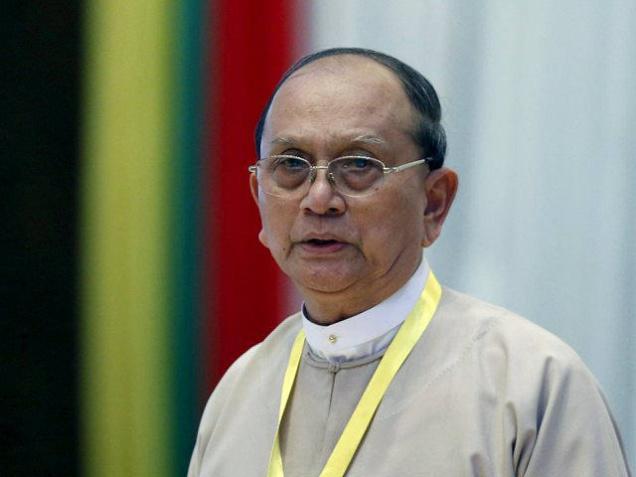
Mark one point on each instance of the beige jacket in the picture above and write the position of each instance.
(483, 393)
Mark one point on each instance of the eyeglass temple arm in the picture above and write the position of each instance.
(408, 165)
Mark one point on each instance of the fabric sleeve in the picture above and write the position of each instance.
(575, 433)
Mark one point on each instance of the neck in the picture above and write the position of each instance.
(321, 313)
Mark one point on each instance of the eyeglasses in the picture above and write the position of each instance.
(286, 176)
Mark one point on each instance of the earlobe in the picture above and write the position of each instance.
(254, 187)
(441, 187)
(262, 236)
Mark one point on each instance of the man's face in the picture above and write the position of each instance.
(359, 249)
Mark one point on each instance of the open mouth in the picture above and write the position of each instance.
(322, 246)
(321, 243)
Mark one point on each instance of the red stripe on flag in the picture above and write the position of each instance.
(253, 44)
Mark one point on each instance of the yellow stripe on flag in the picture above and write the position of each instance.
(125, 270)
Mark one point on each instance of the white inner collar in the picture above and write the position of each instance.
(370, 331)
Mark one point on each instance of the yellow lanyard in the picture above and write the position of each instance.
(404, 341)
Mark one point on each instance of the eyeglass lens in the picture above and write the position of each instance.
(286, 175)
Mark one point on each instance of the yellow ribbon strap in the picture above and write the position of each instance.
(275, 460)
(401, 346)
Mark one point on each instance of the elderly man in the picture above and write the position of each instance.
(383, 372)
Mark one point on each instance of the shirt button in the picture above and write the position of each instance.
(332, 339)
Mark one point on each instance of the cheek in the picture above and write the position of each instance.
(275, 226)
(392, 226)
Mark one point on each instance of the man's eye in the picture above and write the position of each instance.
(359, 163)
(291, 163)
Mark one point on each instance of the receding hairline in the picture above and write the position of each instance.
(348, 60)
(343, 59)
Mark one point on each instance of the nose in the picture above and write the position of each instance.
(322, 198)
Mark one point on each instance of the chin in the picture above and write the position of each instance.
(323, 282)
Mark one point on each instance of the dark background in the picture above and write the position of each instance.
(39, 102)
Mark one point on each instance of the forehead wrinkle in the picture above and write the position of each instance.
(285, 141)
(337, 139)
(370, 139)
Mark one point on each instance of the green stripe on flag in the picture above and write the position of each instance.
(187, 227)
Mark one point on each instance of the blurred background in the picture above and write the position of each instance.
(132, 276)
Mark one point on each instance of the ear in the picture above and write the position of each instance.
(262, 236)
(441, 187)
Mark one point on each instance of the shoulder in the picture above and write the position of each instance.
(509, 353)
(255, 368)
(494, 327)
(534, 384)
(244, 403)
(540, 377)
